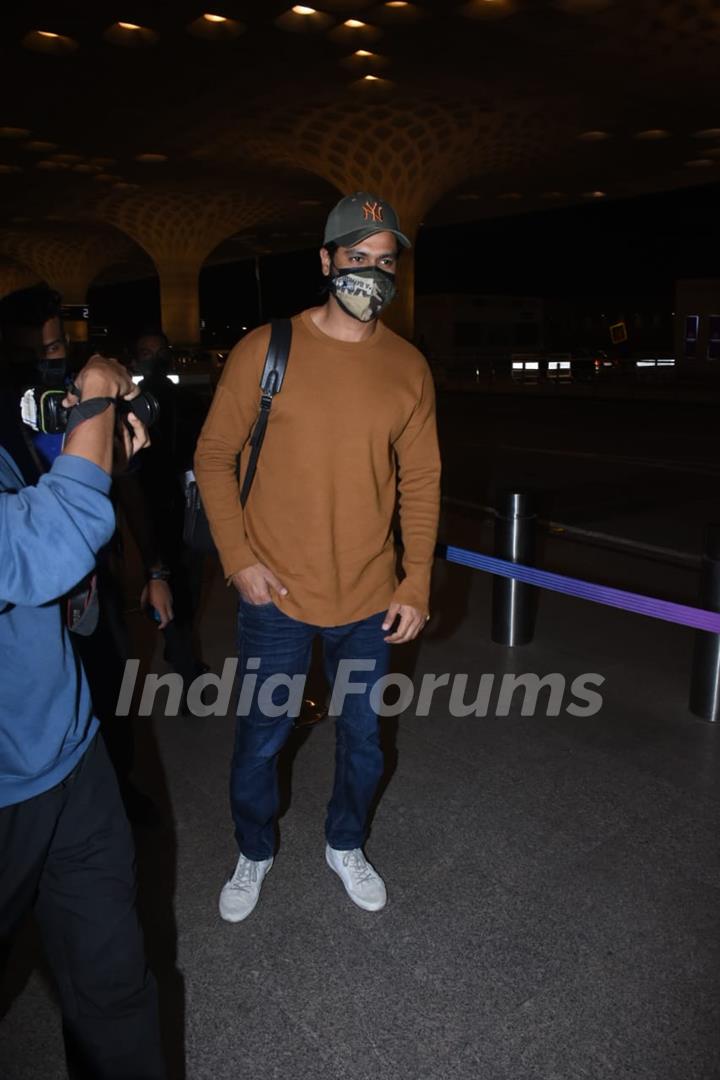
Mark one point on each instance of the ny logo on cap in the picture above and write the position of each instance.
(373, 211)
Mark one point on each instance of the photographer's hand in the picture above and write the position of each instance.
(102, 377)
(139, 439)
(93, 438)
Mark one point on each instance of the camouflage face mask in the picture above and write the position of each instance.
(362, 292)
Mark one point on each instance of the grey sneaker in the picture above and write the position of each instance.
(240, 894)
(362, 882)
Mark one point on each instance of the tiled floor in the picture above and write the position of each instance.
(554, 882)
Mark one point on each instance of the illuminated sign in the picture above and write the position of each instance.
(75, 312)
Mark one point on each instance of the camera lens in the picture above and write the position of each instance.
(145, 406)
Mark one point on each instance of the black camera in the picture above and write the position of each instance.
(42, 409)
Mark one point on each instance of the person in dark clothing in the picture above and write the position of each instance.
(34, 353)
(160, 470)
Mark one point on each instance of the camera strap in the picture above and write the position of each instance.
(86, 410)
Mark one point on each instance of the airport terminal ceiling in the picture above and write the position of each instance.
(134, 134)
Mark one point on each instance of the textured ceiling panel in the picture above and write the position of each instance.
(183, 130)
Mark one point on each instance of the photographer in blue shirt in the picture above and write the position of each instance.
(35, 352)
(66, 849)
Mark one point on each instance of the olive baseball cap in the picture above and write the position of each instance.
(360, 215)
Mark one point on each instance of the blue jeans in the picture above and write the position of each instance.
(283, 645)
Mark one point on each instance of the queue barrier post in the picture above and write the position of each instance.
(705, 679)
(514, 602)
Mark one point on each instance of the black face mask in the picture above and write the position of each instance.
(52, 372)
(362, 292)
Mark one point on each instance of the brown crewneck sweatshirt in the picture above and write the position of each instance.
(353, 427)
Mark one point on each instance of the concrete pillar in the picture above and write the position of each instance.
(179, 299)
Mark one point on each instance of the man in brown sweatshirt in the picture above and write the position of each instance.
(312, 552)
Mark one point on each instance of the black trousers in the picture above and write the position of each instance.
(69, 855)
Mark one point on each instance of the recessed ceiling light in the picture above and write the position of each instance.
(594, 194)
(152, 158)
(40, 146)
(652, 134)
(355, 31)
(396, 13)
(707, 133)
(215, 27)
(594, 136)
(362, 59)
(699, 163)
(13, 133)
(304, 20)
(84, 168)
(130, 35)
(367, 81)
(47, 41)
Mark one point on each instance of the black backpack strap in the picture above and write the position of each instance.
(271, 382)
(276, 360)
